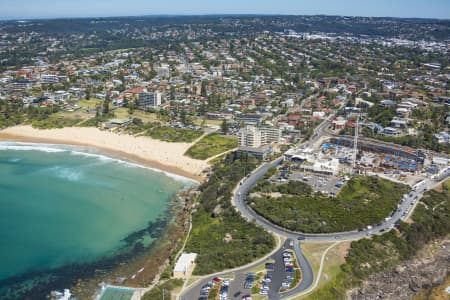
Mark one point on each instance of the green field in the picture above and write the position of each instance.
(174, 135)
(211, 145)
(91, 103)
(368, 200)
(123, 113)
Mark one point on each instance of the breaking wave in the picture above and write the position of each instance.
(54, 148)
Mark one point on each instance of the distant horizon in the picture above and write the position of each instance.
(217, 15)
(60, 9)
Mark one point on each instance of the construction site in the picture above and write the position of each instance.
(336, 156)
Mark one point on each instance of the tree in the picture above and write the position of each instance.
(105, 109)
(183, 117)
(203, 92)
(172, 92)
(131, 108)
(224, 126)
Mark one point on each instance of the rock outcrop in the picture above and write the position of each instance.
(430, 268)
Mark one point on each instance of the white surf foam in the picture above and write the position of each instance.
(75, 150)
(14, 160)
(66, 173)
(28, 147)
(134, 165)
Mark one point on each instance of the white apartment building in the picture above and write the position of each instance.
(149, 99)
(250, 136)
(49, 78)
(270, 135)
(254, 137)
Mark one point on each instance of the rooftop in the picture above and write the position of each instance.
(184, 261)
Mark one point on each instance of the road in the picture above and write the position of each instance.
(405, 207)
(402, 211)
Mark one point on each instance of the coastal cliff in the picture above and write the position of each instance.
(429, 268)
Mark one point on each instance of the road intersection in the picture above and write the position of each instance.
(404, 209)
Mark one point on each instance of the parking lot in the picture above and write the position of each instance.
(321, 183)
(265, 279)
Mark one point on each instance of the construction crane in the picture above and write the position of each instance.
(355, 144)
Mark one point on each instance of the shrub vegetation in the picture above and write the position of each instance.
(431, 220)
(368, 200)
(220, 236)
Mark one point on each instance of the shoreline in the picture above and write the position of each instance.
(146, 264)
(119, 150)
(155, 258)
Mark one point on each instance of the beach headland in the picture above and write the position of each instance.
(167, 157)
(156, 154)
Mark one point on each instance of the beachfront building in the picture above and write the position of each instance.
(185, 265)
(149, 99)
(260, 152)
(117, 123)
(250, 136)
(254, 137)
(270, 134)
(256, 141)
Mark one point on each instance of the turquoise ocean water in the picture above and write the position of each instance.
(61, 205)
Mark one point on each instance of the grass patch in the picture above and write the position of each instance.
(368, 200)
(334, 259)
(91, 103)
(314, 251)
(156, 293)
(210, 145)
(123, 113)
(206, 122)
(174, 135)
(54, 122)
(217, 159)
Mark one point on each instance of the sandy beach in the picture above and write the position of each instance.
(144, 150)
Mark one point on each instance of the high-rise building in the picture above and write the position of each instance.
(250, 136)
(149, 99)
(270, 134)
(254, 137)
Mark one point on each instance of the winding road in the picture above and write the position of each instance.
(405, 208)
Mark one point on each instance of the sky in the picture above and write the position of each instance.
(26, 9)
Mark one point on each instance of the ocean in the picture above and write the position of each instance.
(61, 205)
